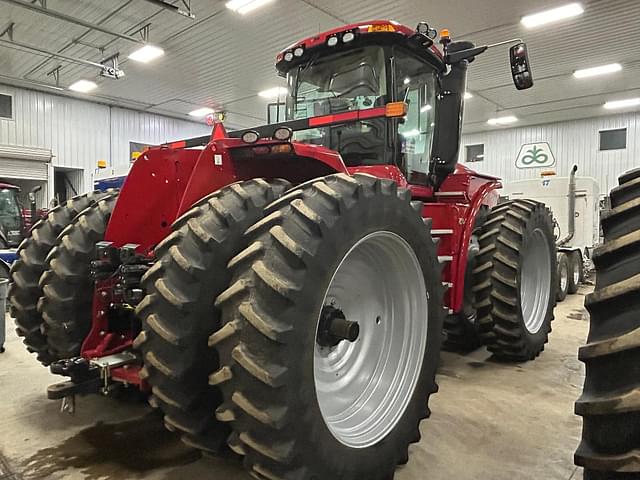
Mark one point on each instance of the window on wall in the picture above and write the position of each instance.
(6, 106)
(613, 139)
(475, 153)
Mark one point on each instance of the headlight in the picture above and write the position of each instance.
(348, 37)
(298, 52)
(288, 56)
(250, 137)
(332, 42)
(283, 134)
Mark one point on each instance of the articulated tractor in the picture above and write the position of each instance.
(284, 291)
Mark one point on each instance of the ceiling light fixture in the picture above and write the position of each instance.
(552, 16)
(245, 6)
(146, 54)
(202, 112)
(467, 96)
(631, 102)
(502, 120)
(274, 92)
(595, 71)
(83, 86)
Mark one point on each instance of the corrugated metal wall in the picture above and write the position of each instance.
(79, 133)
(576, 142)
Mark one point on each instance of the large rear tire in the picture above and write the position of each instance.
(24, 290)
(610, 402)
(177, 313)
(67, 285)
(516, 279)
(302, 402)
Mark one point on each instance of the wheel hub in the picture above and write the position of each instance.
(334, 327)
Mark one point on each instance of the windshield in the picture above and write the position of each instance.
(9, 211)
(337, 83)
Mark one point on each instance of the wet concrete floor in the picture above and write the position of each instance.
(490, 421)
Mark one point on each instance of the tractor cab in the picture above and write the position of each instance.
(360, 68)
(382, 64)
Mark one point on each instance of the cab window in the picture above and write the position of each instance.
(415, 83)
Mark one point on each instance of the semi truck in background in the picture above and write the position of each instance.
(575, 203)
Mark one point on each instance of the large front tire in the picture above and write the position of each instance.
(177, 314)
(516, 279)
(305, 404)
(24, 290)
(610, 402)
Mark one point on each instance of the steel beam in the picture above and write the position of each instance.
(79, 61)
(68, 18)
(175, 8)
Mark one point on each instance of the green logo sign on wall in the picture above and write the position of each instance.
(535, 155)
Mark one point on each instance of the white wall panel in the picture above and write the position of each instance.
(79, 133)
(575, 142)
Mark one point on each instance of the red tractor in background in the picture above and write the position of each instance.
(282, 290)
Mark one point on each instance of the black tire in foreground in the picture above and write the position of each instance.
(610, 402)
(309, 271)
(178, 315)
(24, 290)
(516, 280)
(576, 271)
(564, 273)
(67, 285)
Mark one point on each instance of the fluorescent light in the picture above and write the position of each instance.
(631, 102)
(595, 71)
(245, 6)
(467, 96)
(83, 86)
(553, 15)
(201, 112)
(146, 54)
(426, 108)
(502, 120)
(274, 92)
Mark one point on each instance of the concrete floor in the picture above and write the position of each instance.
(490, 421)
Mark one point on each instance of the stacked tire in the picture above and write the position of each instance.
(610, 402)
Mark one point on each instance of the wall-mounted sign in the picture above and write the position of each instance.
(535, 155)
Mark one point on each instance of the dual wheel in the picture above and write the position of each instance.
(321, 354)
(510, 287)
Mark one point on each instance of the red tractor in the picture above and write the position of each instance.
(282, 289)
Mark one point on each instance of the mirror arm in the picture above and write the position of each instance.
(471, 53)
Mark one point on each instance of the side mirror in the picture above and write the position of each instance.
(520, 68)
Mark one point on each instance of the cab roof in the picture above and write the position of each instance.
(389, 27)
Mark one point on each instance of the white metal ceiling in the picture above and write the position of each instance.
(222, 59)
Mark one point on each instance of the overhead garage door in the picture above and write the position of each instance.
(24, 163)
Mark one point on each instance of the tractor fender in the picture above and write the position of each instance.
(150, 196)
(486, 195)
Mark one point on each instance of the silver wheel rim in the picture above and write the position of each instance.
(564, 278)
(576, 272)
(363, 387)
(535, 281)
